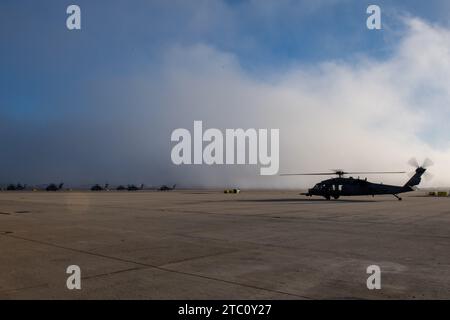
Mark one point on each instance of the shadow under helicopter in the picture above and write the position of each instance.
(313, 200)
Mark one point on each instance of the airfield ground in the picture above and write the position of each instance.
(210, 245)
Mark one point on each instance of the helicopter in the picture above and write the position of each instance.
(132, 187)
(98, 187)
(166, 188)
(54, 187)
(17, 187)
(341, 186)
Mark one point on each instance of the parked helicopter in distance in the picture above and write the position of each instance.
(132, 187)
(16, 187)
(341, 186)
(54, 187)
(98, 187)
(166, 188)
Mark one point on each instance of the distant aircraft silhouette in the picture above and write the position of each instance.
(132, 187)
(166, 188)
(54, 187)
(98, 187)
(17, 187)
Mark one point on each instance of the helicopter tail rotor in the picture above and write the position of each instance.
(426, 163)
(421, 171)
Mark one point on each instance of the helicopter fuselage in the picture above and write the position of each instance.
(336, 187)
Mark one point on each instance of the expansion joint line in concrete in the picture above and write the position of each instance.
(146, 265)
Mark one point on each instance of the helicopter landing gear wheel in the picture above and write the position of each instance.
(336, 197)
(399, 198)
(327, 197)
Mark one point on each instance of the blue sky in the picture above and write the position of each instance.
(40, 56)
(56, 85)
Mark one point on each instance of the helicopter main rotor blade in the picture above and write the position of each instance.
(308, 174)
(375, 172)
(339, 173)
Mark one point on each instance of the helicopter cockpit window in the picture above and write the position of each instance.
(319, 186)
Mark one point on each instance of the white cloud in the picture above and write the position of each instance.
(365, 115)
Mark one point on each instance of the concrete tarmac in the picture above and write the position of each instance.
(210, 245)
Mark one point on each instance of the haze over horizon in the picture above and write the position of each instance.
(99, 104)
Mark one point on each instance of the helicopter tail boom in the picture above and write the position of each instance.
(416, 178)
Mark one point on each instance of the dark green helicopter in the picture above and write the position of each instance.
(17, 187)
(340, 186)
(132, 187)
(166, 188)
(54, 187)
(98, 187)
